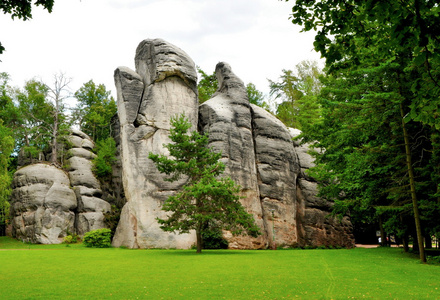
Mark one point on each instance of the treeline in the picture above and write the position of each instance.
(35, 121)
(380, 117)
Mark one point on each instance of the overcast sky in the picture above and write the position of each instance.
(88, 39)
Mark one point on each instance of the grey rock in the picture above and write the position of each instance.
(87, 221)
(228, 120)
(42, 204)
(168, 80)
(86, 186)
(278, 168)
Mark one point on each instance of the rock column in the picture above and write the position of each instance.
(163, 85)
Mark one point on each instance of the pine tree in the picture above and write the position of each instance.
(206, 197)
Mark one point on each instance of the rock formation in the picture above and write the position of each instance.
(163, 85)
(47, 203)
(42, 204)
(91, 208)
(256, 148)
(228, 120)
(316, 227)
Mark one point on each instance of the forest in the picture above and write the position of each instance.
(373, 111)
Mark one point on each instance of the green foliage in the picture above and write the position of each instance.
(212, 237)
(71, 239)
(22, 10)
(111, 218)
(99, 238)
(256, 97)
(205, 198)
(105, 158)
(206, 86)
(95, 110)
(298, 90)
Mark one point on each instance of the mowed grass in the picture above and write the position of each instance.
(77, 272)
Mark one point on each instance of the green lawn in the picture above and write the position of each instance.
(76, 272)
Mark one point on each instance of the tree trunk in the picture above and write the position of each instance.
(54, 137)
(428, 242)
(199, 239)
(405, 243)
(413, 188)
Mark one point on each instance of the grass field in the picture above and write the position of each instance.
(77, 272)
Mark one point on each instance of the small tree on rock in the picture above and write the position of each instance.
(205, 198)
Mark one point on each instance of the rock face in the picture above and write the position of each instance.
(316, 227)
(163, 85)
(48, 203)
(91, 208)
(228, 119)
(42, 205)
(256, 148)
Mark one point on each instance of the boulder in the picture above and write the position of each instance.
(163, 85)
(42, 204)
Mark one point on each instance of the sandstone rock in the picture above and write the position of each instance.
(228, 120)
(87, 221)
(316, 226)
(42, 204)
(256, 148)
(278, 168)
(162, 86)
(86, 186)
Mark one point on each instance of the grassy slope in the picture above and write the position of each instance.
(77, 272)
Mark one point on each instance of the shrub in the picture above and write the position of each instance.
(99, 238)
(212, 237)
(70, 239)
(105, 157)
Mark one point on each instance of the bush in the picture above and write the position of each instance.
(212, 237)
(99, 238)
(105, 157)
(70, 239)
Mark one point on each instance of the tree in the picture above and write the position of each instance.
(95, 110)
(58, 93)
(34, 135)
(205, 198)
(22, 9)
(256, 97)
(207, 85)
(354, 35)
(297, 90)
(6, 148)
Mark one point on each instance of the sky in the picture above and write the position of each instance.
(88, 39)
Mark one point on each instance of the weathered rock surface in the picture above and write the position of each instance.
(48, 203)
(278, 169)
(316, 227)
(228, 120)
(91, 208)
(42, 204)
(256, 148)
(163, 85)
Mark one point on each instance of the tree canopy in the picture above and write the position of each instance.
(206, 197)
(22, 9)
(380, 108)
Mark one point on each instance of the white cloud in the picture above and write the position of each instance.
(88, 39)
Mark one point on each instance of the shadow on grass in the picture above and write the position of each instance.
(175, 252)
